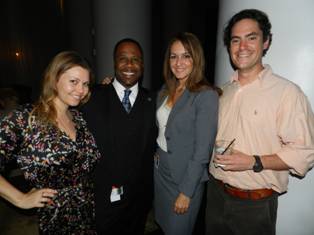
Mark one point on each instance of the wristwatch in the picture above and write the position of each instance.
(258, 166)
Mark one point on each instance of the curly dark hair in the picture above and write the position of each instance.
(260, 17)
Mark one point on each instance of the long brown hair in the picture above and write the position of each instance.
(44, 108)
(196, 81)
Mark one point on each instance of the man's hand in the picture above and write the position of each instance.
(237, 161)
(107, 80)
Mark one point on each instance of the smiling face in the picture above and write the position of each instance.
(246, 46)
(72, 87)
(181, 62)
(128, 64)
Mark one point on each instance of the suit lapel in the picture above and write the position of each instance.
(139, 110)
(139, 101)
(178, 106)
(112, 95)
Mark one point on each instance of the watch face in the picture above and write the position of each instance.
(258, 166)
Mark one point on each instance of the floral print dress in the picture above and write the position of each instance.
(49, 158)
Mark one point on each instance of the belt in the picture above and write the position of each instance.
(255, 194)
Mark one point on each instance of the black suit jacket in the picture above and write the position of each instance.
(127, 145)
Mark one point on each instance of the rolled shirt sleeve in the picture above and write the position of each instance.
(296, 130)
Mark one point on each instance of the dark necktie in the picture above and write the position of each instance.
(126, 101)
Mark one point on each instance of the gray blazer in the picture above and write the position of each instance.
(190, 134)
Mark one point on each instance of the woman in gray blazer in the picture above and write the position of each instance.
(187, 109)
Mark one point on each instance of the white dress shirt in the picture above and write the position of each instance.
(162, 118)
(120, 91)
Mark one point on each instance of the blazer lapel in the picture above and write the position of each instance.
(177, 106)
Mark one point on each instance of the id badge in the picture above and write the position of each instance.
(116, 193)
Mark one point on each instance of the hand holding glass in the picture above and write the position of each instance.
(223, 147)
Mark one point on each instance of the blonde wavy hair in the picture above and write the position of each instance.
(44, 109)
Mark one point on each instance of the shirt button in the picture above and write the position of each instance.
(169, 152)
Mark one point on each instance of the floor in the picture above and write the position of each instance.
(15, 221)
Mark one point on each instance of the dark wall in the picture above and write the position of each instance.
(40, 29)
(36, 30)
(172, 16)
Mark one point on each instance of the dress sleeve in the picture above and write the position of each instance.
(11, 134)
(295, 123)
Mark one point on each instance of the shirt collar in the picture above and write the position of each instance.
(120, 88)
(260, 77)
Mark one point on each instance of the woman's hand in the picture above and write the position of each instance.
(31, 199)
(36, 198)
(181, 204)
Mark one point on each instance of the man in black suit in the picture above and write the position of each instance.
(123, 124)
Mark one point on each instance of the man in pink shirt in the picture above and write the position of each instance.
(272, 125)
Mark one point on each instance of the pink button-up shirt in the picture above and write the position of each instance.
(271, 115)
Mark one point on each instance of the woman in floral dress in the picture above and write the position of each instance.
(52, 146)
